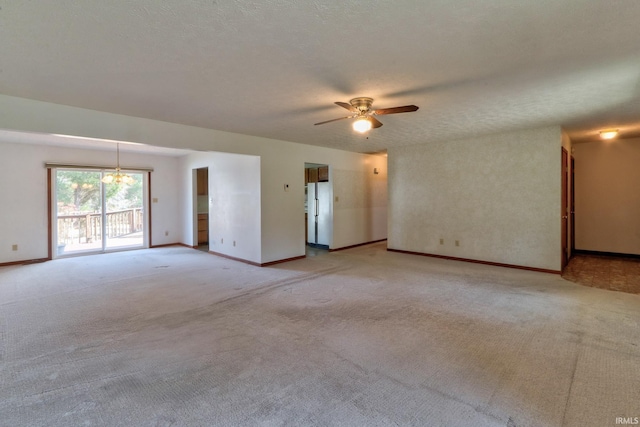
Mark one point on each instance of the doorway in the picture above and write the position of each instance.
(94, 217)
(572, 207)
(565, 209)
(201, 209)
(318, 207)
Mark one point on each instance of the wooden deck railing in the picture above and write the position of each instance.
(87, 228)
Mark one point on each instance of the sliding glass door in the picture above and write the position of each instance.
(124, 214)
(92, 216)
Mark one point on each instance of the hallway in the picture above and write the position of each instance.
(604, 272)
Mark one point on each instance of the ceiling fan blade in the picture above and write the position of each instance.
(347, 106)
(375, 123)
(395, 110)
(334, 120)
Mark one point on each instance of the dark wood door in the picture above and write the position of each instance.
(565, 207)
(572, 207)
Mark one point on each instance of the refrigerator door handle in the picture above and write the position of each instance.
(317, 207)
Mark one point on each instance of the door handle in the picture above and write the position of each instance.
(317, 207)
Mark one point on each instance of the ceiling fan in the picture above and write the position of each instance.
(362, 112)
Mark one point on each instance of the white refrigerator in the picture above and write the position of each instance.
(319, 214)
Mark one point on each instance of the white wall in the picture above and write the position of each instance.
(281, 162)
(23, 194)
(283, 212)
(608, 196)
(498, 195)
(234, 203)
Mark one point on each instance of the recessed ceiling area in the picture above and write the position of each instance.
(87, 143)
(274, 68)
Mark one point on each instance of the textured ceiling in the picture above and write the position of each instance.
(273, 68)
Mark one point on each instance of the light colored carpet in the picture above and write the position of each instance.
(177, 337)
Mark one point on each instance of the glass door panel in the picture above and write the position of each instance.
(79, 211)
(124, 218)
(92, 216)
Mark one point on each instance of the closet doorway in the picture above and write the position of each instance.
(201, 184)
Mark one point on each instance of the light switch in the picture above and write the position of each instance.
(155, 200)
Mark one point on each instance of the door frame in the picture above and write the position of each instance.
(311, 207)
(195, 184)
(572, 206)
(564, 209)
(52, 224)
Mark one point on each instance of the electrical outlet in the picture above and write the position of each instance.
(457, 242)
(442, 241)
(166, 233)
(234, 243)
(14, 247)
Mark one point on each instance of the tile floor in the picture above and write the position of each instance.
(616, 274)
(315, 251)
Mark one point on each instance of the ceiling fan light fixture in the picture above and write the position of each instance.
(362, 125)
(360, 109)
(609, 133)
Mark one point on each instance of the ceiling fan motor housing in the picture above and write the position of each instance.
(363, 104)
(360, 109)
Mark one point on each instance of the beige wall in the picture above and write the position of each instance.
(608, 196)
(499, 196)
(360, 203)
